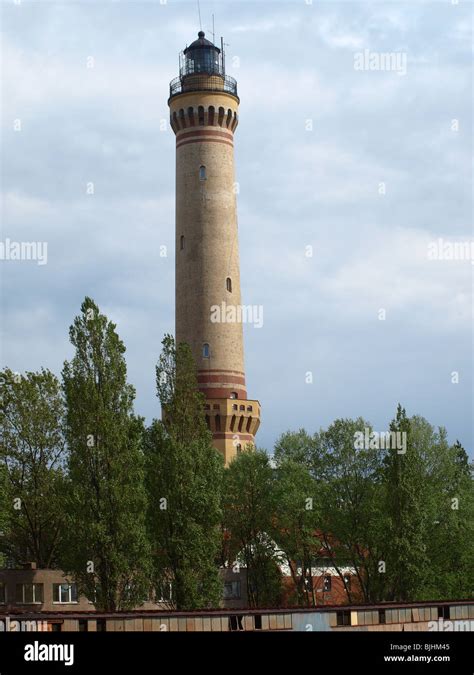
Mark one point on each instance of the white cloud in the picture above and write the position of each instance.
(297, 188)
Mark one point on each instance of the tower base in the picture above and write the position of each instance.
(233, 423)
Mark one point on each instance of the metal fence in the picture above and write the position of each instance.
(203, 83)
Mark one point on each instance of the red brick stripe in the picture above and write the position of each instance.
(211, 371)
(205, 140)
(220, 378)
(223, 392)
(203, 132)
(231, 434)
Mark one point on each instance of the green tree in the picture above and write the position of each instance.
(402, 518)
(294, 526)
(248, 509)
(450, 515)
(184, 479)
(298, 447)
(407, 507)
(106, 548)
(32, 451)
(352, 518)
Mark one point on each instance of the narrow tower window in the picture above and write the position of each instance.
(181, 242)
(228, 283)
(205, 351)
(234, 395)
(202, 173)
(201, 115)
(220, 119)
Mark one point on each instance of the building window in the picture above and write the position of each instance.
(205, 351)
(232, 590)
(3, 594)
(443, 612)
(181, 243)
(347, 581)
(343, 618)
(83, 625)
(234, 394)
(382, 616)
(101, 626)
(56, 627)
(228, 284)
(202, 173)
(165, 592)
(28, 594)
(235, 623)
(64, 593)
(327, 583)
(218, 422)
(239, 448)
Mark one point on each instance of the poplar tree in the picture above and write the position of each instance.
(184, 480)
(32, 452)
(407, 508)
(106, 546)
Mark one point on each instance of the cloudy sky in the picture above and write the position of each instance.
(316, 141)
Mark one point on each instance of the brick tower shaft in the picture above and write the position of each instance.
(204, 116)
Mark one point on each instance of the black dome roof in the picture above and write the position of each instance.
(201, 42)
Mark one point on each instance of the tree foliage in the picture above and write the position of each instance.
(106, 547)
(184, 478)
(33, 454)
(248, 499)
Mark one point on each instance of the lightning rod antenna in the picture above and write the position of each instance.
(199, 12)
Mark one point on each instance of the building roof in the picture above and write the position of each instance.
(201, 42)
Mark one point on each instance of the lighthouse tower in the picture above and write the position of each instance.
(204, 116)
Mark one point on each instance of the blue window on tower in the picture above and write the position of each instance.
(205, 351)
(202, 173)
